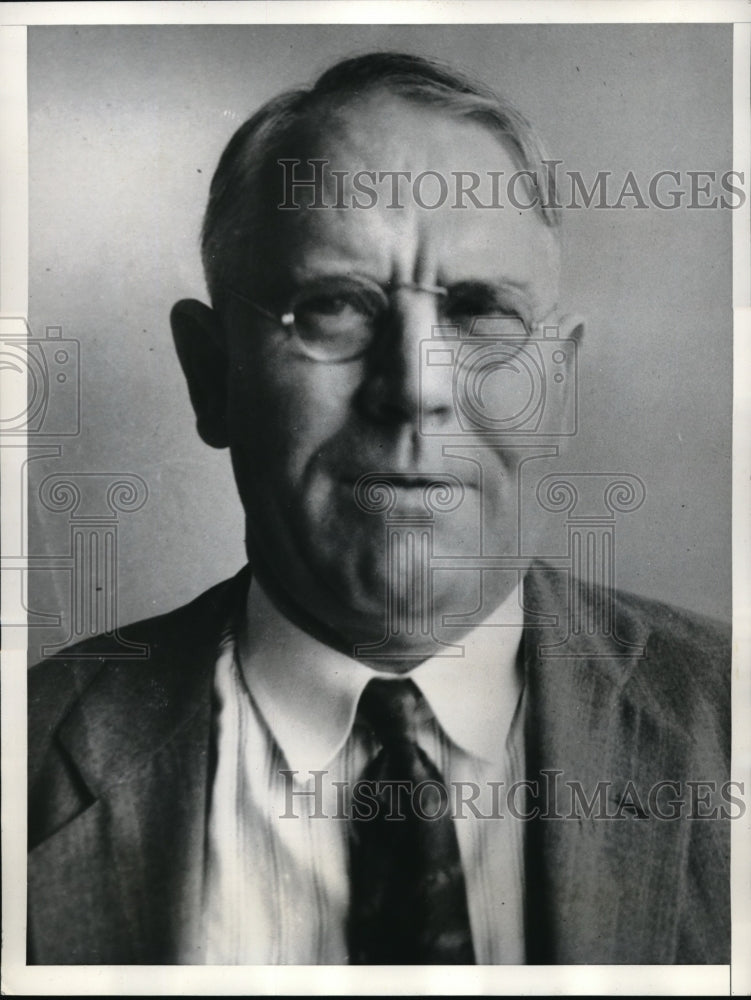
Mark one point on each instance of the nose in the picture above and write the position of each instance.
(399, 387)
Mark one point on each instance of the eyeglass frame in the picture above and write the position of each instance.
(286, 320)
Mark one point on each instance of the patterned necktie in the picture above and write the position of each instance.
(409, 901)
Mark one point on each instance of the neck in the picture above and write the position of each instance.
(402, 652)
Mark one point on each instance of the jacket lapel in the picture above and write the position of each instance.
(138, 746)
(601, 890)
(134, 766)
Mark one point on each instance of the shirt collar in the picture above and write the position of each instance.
(308, 692)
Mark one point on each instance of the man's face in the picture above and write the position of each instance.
(302, 433)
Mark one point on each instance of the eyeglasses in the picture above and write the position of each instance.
(337, 318)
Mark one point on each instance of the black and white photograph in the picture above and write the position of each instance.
(371, 582)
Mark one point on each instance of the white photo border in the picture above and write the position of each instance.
(17, 978)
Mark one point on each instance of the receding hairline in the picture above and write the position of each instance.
(333, 115)
(237, 187)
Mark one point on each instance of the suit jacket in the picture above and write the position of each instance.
(121, 764)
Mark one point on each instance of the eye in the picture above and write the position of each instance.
(470, 301)
(324, 305)
(336, 306)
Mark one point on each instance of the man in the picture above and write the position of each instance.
(270, 785)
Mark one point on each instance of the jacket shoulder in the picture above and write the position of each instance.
(669, 664)
(56, 684)
(687, 628)
(635, 618)
(685, 673)
(684, 647)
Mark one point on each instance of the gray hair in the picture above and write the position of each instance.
(232, 205)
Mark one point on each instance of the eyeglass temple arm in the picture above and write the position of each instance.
(286, 319)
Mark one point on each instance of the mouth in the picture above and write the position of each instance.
(404, 483)
(405, 480)
(405, 492)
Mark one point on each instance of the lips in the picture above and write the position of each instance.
(408, 480)
(401, 493)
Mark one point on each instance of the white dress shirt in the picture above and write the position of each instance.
(276, 873)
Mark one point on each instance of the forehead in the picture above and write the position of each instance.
(418, 221)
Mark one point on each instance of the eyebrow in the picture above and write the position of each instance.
(305, 275)
(498, 285)
(517, 291)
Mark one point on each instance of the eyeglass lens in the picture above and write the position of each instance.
(340, 318)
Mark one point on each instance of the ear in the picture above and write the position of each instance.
(199, 341)
(571, 327)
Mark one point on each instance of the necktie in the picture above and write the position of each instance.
(409, 901)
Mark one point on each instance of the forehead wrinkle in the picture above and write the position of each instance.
(414, 246)
(381, 115)
(384, 131)
(410, 244)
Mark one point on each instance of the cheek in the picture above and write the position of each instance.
(280, 417)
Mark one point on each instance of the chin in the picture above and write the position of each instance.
(347, 552)
(366, 599)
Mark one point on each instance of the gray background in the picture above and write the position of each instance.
(126, 125)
